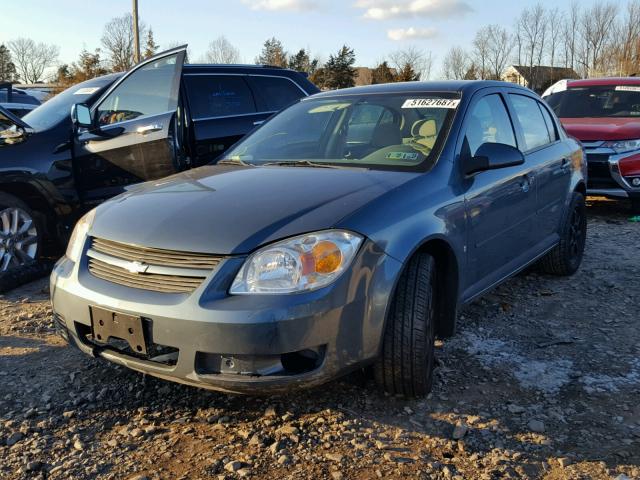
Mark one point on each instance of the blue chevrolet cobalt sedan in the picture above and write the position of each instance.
(343, 233)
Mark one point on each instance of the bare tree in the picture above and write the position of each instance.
(499, 49)
(481, 53)
(555, 22)
(532, 27)
(32, 59)
(413, 59)
(118, 42)
(222, 51)
(626, 52)
(570, 35)
(597, 32)
(455, 64)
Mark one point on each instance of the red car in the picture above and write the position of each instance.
(604, 114)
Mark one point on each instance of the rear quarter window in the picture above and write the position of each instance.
(218, 96)
(274, 93)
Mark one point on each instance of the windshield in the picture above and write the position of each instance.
(58, 108)
(371, 131)
(600, 101)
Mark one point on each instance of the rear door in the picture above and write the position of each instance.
(500, 204)
(549, 156)
(134, 135)
(226, 106)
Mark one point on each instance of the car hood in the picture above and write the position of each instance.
(233, 210)
(604, 128)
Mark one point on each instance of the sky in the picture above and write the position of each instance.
(374, 28)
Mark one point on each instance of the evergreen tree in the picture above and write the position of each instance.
(407, 74)
(339, 71)
(272, 54)
(301, 62)
(7, 67)
(382, 74)
(150, 46)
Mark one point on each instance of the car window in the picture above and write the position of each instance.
(365, 120)
(597, 101)
(147, 91)
(218, 96)
(397, 132)
(553, 134)
(531, 120)
(274, 93)
(489, 122)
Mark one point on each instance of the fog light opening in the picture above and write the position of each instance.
(635, 182)
(302, 361)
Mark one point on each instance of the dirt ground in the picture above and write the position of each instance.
(542, 381)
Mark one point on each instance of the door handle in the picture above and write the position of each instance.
(258, 122)
(156, 127)
(565, 164)
(525, 183)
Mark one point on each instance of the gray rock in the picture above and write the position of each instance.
(459, 431)
(536, 426)
(233, 466)
(14, 438)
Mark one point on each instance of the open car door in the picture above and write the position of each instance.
(133, 128)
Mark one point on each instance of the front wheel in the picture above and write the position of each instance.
(565, 258)
(405, 366)
(20, 235)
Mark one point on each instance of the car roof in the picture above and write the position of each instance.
(236, 68)
(605, 81)
(459, 86)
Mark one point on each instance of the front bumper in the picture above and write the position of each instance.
(604, 177)
(241, 344)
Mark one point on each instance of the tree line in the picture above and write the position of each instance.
(600, 40)
(603, 39)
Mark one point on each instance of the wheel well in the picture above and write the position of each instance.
(447, 282)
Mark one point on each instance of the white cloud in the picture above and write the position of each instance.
(385, 9)
(411, 33)
(281, 5)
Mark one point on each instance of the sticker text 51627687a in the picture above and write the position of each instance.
(431, 103)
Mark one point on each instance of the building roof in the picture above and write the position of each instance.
(545, 71)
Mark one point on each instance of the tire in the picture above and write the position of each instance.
(20, 234)
(406, 363)
(565, 258)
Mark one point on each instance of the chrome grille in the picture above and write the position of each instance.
(147, 268)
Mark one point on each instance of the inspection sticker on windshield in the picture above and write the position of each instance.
(431, 103)
(86, 90)
(401, 156)
(628, 88)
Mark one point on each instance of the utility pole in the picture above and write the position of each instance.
(136, 34)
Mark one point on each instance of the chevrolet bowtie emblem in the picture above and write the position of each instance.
(137, 267)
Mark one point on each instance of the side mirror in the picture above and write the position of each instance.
(491, 156)
(81, 115)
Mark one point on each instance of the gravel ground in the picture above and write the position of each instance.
(542, 381)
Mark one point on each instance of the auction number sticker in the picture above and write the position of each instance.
(628, 88)
(431, 103)
(86, 90)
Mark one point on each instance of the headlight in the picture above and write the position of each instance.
(79, 235)
(623, 145)
(303, 263)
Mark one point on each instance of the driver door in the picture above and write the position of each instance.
(133, 138)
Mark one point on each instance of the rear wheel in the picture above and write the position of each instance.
(406, 364)
(566, 257)
(20, 234)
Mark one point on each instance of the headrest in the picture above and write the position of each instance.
(424, 128)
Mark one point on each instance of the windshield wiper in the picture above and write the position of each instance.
(302, 163)
(229, 161)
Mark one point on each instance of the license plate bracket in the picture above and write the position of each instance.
(106, 324)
